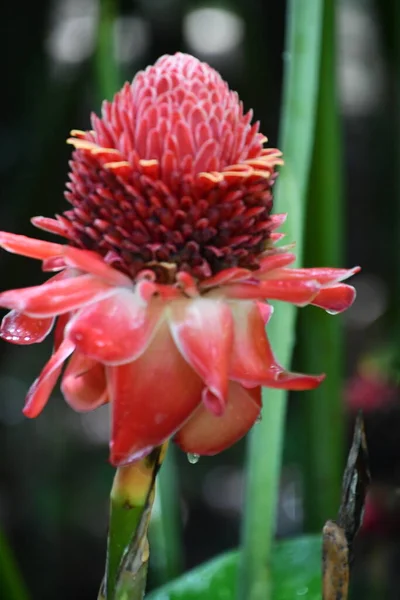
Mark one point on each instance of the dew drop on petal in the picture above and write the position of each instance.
(193, 458)
(332, 312)
(259, 418)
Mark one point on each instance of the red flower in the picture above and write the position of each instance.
(160, 295)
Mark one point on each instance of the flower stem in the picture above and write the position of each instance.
(323, 413)
(303, 40)
(107, 72)
(131, 500)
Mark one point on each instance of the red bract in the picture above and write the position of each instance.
(161, 292)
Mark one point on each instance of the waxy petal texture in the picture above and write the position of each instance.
(203, 332)
(18, 328)
(117, 329)
(152, 397)
(56, 297)
(84, 384)
(30, 247)
(208, 434)
(42, 387)
(253, 363)
(335, 299)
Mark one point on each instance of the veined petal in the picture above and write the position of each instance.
(92, 263)
(117, 329)
(297, 292)
(84, 384)
(336, 298)
(208, 434)
(30, 247)
(151, 398)
(57, 296)
(42, 387)
(203, 331)
(18, 328)
(253, 362)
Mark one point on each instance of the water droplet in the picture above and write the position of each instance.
(193, 458)
(259, 418)
(302, 591)
(333, 312)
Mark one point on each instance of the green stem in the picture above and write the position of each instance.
(131, 498)
(166, 530)
(107, 72)
(304, 32)
(324, 427)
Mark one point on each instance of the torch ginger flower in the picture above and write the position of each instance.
(161, 293)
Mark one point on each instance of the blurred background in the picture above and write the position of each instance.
(54, 475)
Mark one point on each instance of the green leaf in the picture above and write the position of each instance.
(295, 572)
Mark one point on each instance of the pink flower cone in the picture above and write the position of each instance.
(161, 293)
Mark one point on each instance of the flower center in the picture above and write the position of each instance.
(173, 177)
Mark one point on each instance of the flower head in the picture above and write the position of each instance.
(161, 292)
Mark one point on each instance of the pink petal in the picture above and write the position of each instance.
(274, 261)
(20, 244)
(324, 275)
(277, 220)
(84, 383)
(117, 329)
(50, 225)
(208, 434)
(57, 296)
(18, 328)
(61, 323)
(203, 331)
(297, 292)
(253, 362)
(335, 299)
(92, 263)
(230, 275)
(151, 398)
(42, 387)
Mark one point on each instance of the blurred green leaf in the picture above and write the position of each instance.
(12, 587)
(295, 572)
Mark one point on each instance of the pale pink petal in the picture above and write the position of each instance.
(203, 331)
(117, 329)
(42, 387)
(335, 299)
(209, 434)
(20, 244)
(92, 263)
(57, 296)
(18, 328)
(151, 398)
(277, 220)
(84, 384)
(253, 362)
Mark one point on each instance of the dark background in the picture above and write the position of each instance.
(54, 475)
